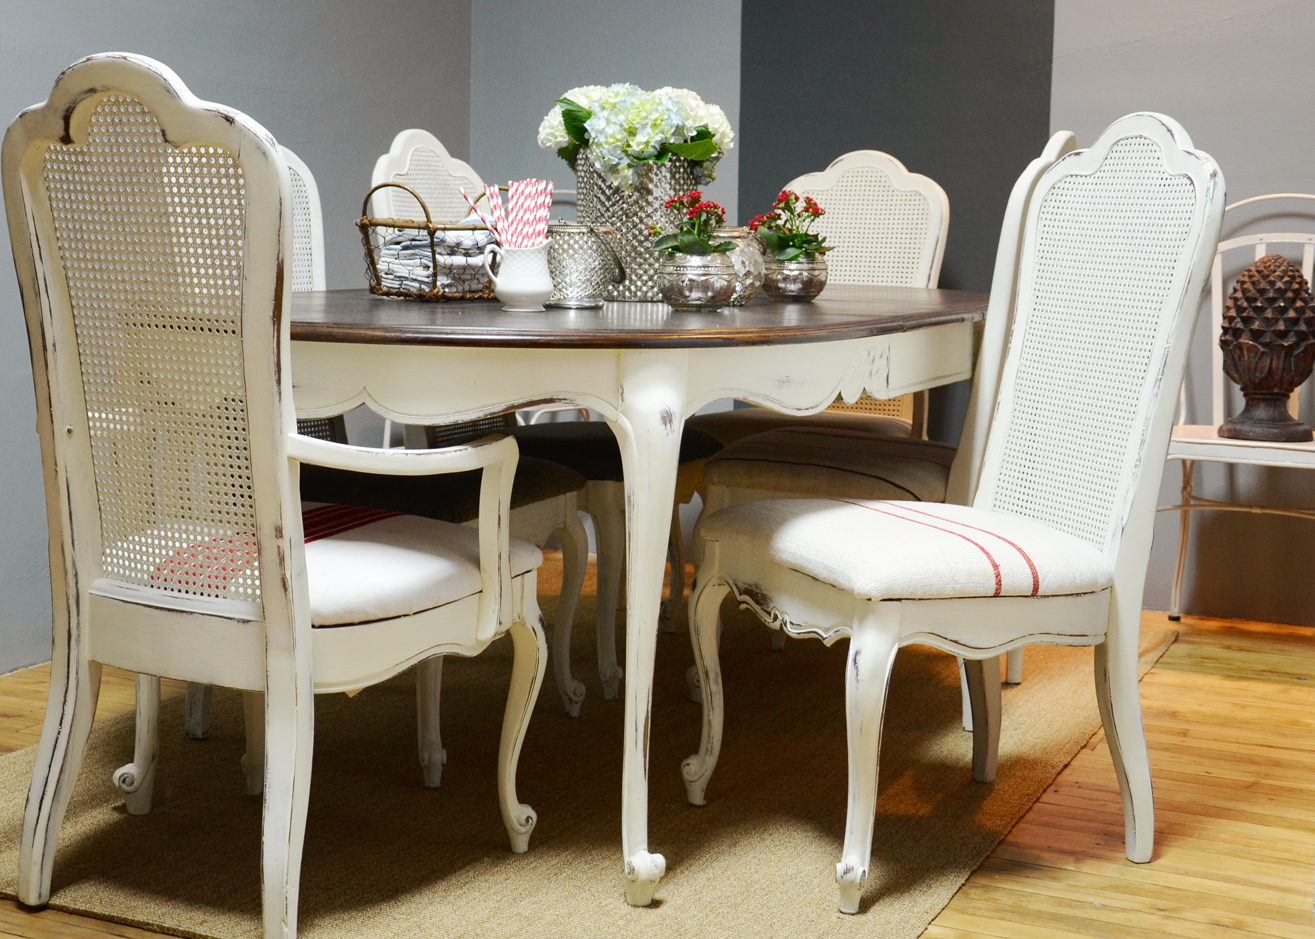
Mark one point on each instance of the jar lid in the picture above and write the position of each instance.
(563, 227)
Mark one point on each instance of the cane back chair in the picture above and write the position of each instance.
(888, 228)
(149, 232)
(1194, 443)
(1116, 247)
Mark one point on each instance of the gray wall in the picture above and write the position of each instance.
(528, 53)
(1213, 65)
(332, 80)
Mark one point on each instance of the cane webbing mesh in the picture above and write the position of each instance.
(901, 407)
(1107, 248)
(303, 251)
(879, 233)
(441, 190)
(150, 240)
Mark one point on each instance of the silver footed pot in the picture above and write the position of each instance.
(696, 281)
(801, 279)
(747, 256)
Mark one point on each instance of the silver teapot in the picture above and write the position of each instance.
(583, 263)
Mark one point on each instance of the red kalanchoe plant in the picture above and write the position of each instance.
(787, 229)
(698, 218)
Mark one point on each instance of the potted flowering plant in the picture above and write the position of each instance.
(796, 268)
(694, 272)
(632, 151)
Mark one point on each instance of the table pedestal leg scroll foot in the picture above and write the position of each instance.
(651, 417)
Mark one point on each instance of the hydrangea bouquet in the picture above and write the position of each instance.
(623, 129)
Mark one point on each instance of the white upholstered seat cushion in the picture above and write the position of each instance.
(912, 550)
(392, 565)
(834, 463)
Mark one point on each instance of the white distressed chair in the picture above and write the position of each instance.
(1193, 443)
(1116, 247)
(888, 228)
(149, 230)
(805, 461)
(418, 160)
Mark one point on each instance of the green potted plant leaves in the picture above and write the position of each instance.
(796, 268)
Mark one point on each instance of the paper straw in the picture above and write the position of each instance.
(487, 224)
(515, 212)
(493, 199)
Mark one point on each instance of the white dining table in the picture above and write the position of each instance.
(646, 369)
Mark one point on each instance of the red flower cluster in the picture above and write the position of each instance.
(760, 220)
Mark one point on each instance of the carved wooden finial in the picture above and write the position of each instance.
(1268, 338)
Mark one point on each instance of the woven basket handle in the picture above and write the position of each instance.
(365, 206)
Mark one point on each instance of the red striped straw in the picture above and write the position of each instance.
(482, 217)
(493, 199)
(539, 229)
(515, 212)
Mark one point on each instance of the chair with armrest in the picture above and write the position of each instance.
(149, 230)
(1116, 246)
(547, 500)
(1195, 443)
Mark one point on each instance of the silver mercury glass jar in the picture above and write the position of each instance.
(801, 279)
(583, 263)
(631, 213)
(692, 282)
(750, 264)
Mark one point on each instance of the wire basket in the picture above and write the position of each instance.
(424, 260)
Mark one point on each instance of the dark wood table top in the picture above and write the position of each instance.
(842, 312)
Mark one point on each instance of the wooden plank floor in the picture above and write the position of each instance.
(1230, 716)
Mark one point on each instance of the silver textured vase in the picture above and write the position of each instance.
(801, 279)
(631, 214)
(696, 281)
(747, 256)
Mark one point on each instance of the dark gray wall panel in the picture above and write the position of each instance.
(958, 91)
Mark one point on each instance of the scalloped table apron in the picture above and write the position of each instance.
(645, 369)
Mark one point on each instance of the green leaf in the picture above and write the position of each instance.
(774, 239)
(702, 133)
(788, 253)
(570, 153)
(666, 243)
(691, 243)
(574, 117)
(696, 150)
(722, 247)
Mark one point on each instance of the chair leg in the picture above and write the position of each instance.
(983, 677)
(674, 605)
(608, 509)
(196, 721)
(1014, 666)
(136, 780)
(704, 634)
(1184, 530)
(429, 736)
(778, 640)
(872, 649)
(1120, 713)
(575, 563)
(289, 737)
(530, 652)
(253, 761)
(965, 700)
(70, 710)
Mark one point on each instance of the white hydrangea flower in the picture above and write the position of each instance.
(629, 127)
(552, 131)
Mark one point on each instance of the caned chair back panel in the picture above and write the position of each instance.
(146, 258)
(887, 225)
(419, 161)
(307, 225)
(1115, 256)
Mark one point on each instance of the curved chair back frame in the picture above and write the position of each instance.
(417, 159)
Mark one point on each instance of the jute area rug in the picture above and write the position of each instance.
(385, 857)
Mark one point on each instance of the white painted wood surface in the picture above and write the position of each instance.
(1193, 443)
(261, 642)
(1142, 151)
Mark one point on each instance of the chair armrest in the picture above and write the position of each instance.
(459, 459)
(496, 455)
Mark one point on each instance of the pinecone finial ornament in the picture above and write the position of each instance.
(1268, 338)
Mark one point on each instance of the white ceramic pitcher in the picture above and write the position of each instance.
(522, 281)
